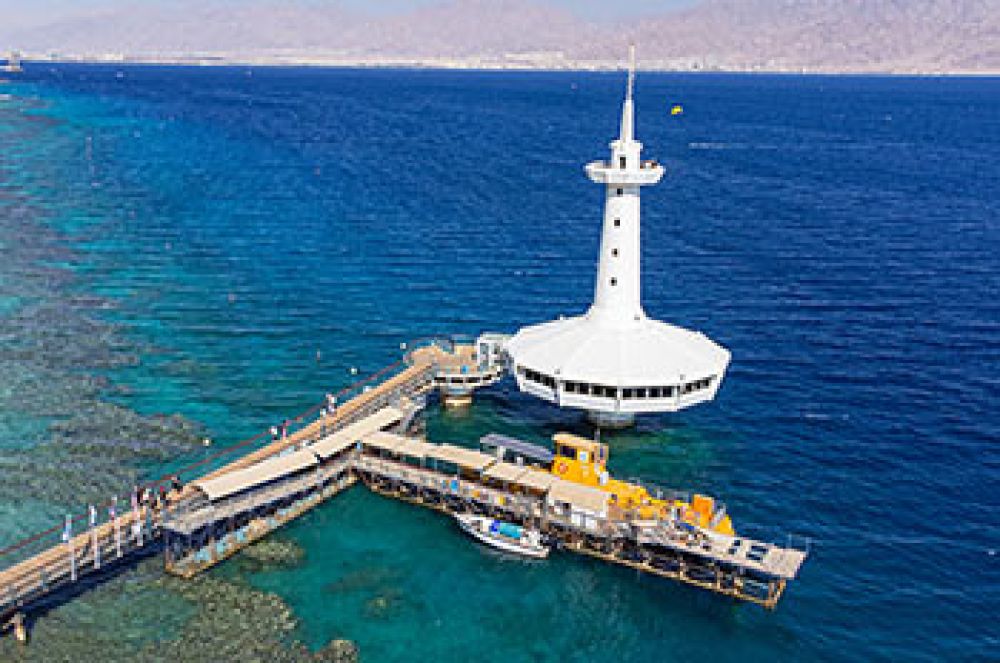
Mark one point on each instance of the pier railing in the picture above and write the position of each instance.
(40, 562)
(189, 516)
(66, 561)
(751, 556)
(54, 559)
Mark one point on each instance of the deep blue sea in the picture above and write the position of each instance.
(227, 244)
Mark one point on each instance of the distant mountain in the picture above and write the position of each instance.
(857, 35)
(817, 35)
(470, 28)
(188, 27)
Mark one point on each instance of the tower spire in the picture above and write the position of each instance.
(626, 134)
(631, 71)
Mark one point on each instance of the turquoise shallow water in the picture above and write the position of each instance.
(226, 245)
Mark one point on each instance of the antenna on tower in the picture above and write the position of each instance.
(631, 71)
(627, 116)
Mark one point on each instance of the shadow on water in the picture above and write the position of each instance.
(87, 580)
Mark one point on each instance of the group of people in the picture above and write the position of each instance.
(156, 497)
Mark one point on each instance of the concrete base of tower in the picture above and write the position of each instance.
(610, 419)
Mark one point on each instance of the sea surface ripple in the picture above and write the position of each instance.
(205, 251)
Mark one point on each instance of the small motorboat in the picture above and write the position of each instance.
(504, 536)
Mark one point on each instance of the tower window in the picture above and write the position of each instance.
(620, 191)
(621, 163)
(614, 252)
(614, 281)
(618, 223)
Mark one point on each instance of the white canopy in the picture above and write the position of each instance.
(643, 353)
(398, 444)
(469, 458)
(263, 472)
(536, 479)
(503, 471)
(333, 444)
(579, 496)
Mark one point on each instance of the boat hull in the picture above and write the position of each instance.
(479, 528)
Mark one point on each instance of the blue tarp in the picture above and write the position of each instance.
(506, 529)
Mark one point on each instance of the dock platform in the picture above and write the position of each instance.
(369, 440)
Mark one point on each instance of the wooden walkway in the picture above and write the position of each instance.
(759, 578)
(741, 568)
(62, 564)
(65, 563)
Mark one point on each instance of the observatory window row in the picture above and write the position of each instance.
(628, 393)
(535, 376)
(585, 389)
(667, 392)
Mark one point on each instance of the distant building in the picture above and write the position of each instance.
(13, 62)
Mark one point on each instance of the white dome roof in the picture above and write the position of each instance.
(644, 352)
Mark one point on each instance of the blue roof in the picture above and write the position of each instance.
(517, 447)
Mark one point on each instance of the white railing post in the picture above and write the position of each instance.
(68, 538)
(93, 537)
(113, 513)
(137, 529)
(136, 520)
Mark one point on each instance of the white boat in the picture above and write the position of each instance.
(504, 536)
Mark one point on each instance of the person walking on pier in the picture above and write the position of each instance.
(94, 541)
(328, 412)
(67, 538)
(136, 517)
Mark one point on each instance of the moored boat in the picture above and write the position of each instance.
(504, 536)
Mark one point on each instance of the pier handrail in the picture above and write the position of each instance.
(750, 569)
(56, 530)
(299, 419)
(248, 501)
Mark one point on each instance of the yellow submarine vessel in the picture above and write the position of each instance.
(584, 462)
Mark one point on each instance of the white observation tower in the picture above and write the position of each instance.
(614, 361)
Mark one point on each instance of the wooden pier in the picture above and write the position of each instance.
(64, 564)
(368, 439)
(58, 565)
(749, 570)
